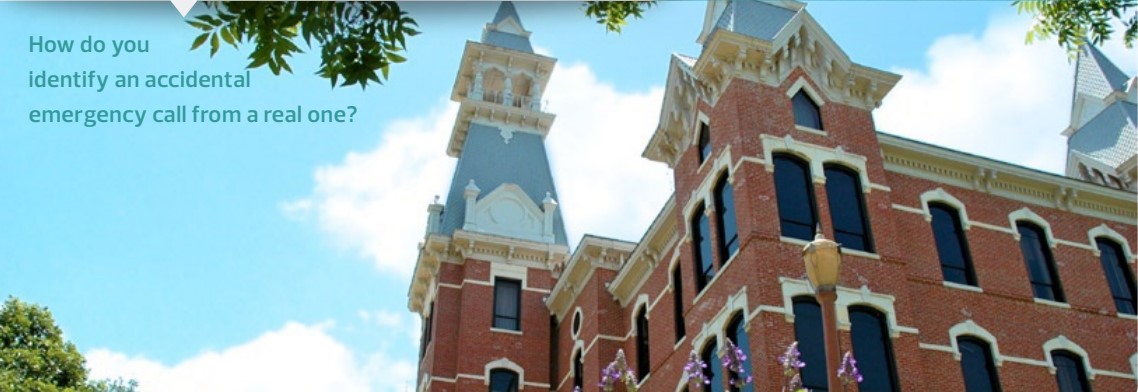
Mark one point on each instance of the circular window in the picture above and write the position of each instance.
(576, 322)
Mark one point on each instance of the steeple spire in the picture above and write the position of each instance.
(506, 30)
(1100, 138)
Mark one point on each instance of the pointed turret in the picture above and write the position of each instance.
(1101, 138)
(506, 30)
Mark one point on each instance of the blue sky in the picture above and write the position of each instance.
(168, 253)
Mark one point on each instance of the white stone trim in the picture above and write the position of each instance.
(641, 301)
(700, 119)
(802, 85)
(1105, 231)
(918, 211)
(1026, 214)
(703, 193)
(970, 328)
(816, 156)
(713, 328)
(1134, 364)
(965, 287)
(939, 195)
(1057, 304)
(1062, 343)
(504, 363)
(499, 270)
(846, 297)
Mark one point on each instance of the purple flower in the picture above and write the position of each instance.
(694, 370)
(847, 371)
(792, 380)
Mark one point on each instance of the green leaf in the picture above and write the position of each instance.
(214, 44)
(228, 37)
(199, 41)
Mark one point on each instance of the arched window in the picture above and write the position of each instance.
(951, 246)
(1118, 275)
(678, 302)
(795, 193)
(701, 238)
(578, 371)
(811, 343)
(806, 111)
(737, 332)
(1040, 264)
(503, 380)
(642, 355)
(704, 141)
(1069, 372)
(977, 364)
(873, 349)
(714, 371)
(728, 233)
(847, 208)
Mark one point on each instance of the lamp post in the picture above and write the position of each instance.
(823, 260)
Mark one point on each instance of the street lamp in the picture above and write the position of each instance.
(823, 260)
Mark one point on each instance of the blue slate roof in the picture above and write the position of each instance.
(754, 18)
(508, 41)
(1110, 136)
(1095, 75)
(490, 162)
(507, 10)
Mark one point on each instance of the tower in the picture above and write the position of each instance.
(1101, 139)
(490, 251)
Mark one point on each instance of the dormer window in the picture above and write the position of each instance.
(704, 141)
(806, 112)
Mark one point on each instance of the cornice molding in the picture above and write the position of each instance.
(1030, 186)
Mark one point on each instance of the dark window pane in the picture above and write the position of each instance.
(728, 234)
(1118, 275)
(507, 304)
(806, 112)
(701, 238)
(872, 348)
(795, 193)
(951, 247)
(642, 355)
(714, 371)
(704, 142)
(811, 343)
(678, 302)
(737, 332)
(976, 362)
(578, 371)
(503, 381)
(1069, 372)
(1040, 264)
(847, 209)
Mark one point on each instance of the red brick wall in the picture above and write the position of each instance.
(907, 267)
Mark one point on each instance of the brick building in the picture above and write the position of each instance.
(959, 272)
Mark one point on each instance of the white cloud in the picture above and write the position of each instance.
(991, 95)
(606, 187)
(296, 357)
(376, 201)
(393, 324)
